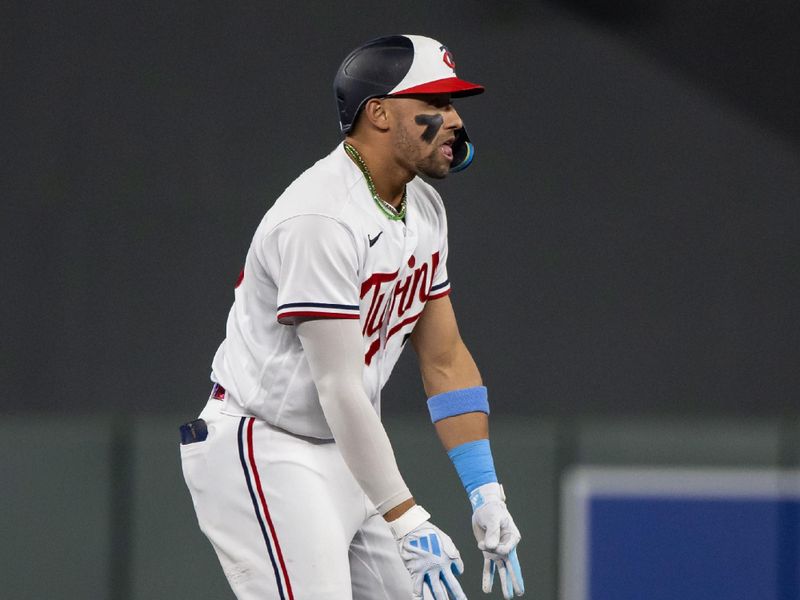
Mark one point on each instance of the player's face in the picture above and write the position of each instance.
(424, 132)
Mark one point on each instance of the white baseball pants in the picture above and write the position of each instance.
(286, 517)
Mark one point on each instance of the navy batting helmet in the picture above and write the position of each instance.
(400, 65)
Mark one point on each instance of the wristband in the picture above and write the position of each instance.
(474, 464)
(458, 402)
(408, 521)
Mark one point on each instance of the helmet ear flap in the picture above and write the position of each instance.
(463, 151)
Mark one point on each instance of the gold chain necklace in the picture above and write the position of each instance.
(386, 208)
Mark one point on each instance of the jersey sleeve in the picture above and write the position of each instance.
(316, 270)
(440, 286)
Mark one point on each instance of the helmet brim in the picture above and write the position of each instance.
(457, 88)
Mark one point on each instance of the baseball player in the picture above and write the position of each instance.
(291, 473)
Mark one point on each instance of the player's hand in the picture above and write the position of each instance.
(432, 560)
(497, 537)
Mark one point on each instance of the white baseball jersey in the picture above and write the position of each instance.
(325, 250)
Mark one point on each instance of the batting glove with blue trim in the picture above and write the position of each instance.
(497, 537)
(430, 556)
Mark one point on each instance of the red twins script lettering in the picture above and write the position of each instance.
(396, 300)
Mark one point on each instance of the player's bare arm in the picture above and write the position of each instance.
(444, 360)
(446, 365)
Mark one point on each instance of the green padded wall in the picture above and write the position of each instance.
(679, 442)
(55, 507)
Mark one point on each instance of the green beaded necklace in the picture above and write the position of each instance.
(386, 208)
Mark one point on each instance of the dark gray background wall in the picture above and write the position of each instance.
(626, 242)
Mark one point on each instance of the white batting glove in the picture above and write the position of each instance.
(497, 537)
(429, 555)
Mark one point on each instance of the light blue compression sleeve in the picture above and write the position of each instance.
(474, 464)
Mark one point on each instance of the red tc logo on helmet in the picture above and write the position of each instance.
(448, 58)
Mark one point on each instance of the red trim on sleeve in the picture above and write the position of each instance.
(439, 294)
(317, 314)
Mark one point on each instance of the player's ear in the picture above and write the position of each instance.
(375, 112)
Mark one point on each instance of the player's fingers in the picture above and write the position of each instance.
(457, 566)
(453, 586)
(509, 538)
(505, 580)
(427, 589)
(509, 589)
(492, 537)
(437, 587)
(505, 548)
(516, 573)
(488, 575)
(478, 531)
(418, 584)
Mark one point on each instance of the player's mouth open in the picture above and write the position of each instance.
(447, 149)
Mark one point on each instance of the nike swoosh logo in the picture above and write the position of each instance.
(372, 240)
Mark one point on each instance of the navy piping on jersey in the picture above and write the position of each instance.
(435, 288)
(318, 305)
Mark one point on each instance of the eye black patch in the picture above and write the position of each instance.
(433, 125)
